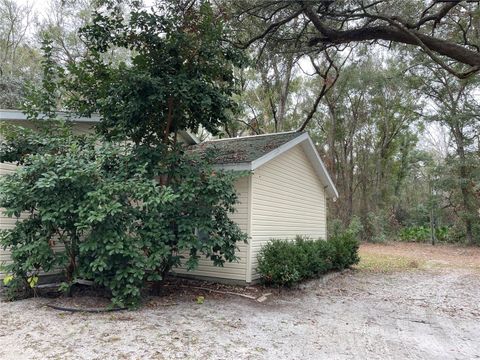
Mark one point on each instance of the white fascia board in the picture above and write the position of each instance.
(278, 151)
(17, 115)
(235, 167)
(320, 168)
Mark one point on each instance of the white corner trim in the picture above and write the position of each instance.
(248, 272)
(278, 151)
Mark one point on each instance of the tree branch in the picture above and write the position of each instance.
(271, 28)
(396, 32)
(325, 87)
(437, 17)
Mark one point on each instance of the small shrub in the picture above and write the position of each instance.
(314, 257)
(423, 234)
(286, 262)
(278, 263)
(345, 251)
(415, 233)
(442, 233)
(376, 228)
(337, 227)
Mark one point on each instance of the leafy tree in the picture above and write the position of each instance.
(366, 125)
(19, 59)
(60, 24)
(180, 74)
(445, 31)
(456, 107)
(100, 196)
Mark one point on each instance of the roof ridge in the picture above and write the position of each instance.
(250, 136)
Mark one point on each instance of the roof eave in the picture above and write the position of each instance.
(312, 152)
(246, 166)
(18, 115)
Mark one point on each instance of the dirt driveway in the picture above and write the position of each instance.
(402, 302)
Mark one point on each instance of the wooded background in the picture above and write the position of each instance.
(388, 90)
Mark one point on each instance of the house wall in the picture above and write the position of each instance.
(5, 222)
(235, 270)
(288, 199)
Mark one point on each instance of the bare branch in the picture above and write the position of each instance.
(437, 17)
(271, 28)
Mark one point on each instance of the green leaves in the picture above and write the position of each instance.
(287, 262)
(179, 74)
(117, 225)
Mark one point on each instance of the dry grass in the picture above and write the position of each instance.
(387, 263)
(391, 257)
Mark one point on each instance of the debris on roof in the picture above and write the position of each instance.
(243, 149)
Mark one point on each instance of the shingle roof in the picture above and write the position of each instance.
(243, 149)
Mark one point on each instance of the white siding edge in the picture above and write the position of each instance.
(320, 168)
(248, 273)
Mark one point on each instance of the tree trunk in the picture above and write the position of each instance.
(464, 173)
(282, 106)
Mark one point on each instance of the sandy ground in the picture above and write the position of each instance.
(415, 302)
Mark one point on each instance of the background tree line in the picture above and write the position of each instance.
(396, 117)
(395, 113)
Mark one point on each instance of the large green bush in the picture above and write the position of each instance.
(286, 262)
(118, 226)
(278, 263)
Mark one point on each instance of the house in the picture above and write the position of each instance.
(284, 194)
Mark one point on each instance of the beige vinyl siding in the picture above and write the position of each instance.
(288, 199)
(9, 222)
(234, 270)
(5, 222)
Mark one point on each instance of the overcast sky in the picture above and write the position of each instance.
(38, 5)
